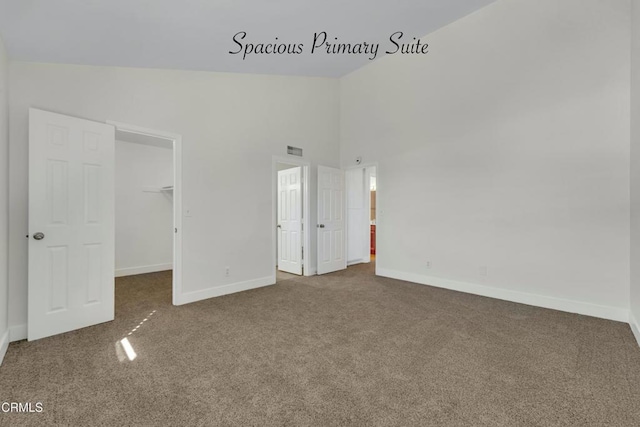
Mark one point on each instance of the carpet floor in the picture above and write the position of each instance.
(347, 348)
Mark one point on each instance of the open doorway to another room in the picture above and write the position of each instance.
(372, 211)
(361, 187)
(147, 209)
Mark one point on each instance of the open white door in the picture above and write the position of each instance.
(331, 220)
(290, 220)
(71, 223)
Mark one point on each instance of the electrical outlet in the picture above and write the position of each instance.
(187, 212)
(483, 270)
(227, 270)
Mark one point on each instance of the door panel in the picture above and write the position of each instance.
(290, 220)
(71, 202)
(331, 224)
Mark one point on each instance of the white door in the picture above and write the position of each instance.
(358, 213)
(290, 220)
(71, 223)
(331, 220)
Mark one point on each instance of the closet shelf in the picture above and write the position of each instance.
(167, 189)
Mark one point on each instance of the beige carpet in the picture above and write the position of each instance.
(342, 349)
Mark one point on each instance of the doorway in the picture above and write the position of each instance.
(148, 203)
(361, 188)
(372, 211)
(291, 207)
(72, 220)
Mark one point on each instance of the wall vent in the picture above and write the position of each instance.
(294, 151)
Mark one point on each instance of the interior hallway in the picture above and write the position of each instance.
(345, 348)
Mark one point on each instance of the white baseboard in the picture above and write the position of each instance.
(132, 271)
(635, 326)
(587, 309)
(311, 272)
(4, 345)
(224, 290)
(17, 332)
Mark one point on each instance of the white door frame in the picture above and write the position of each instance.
(306, 209)
(364, 166)
(177, 196)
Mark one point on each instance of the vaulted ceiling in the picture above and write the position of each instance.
(198, 34)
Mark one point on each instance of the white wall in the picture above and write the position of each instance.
(4, 200)
(144, 214)
(505, 147)
(231, 126)
(635, 169)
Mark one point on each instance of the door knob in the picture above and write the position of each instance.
(38, 236)
(279, 226)
(320, 225)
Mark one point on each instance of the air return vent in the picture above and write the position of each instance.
(294, 151)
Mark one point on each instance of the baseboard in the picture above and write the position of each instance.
(132, 271)
(17, 332)
(587, 309)
(225, 290)
(635, 326)
(4, 345)
(311, 272)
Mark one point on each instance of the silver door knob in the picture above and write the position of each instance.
(320, 225)
(38, 236)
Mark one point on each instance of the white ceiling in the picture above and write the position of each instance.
(197, 34)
